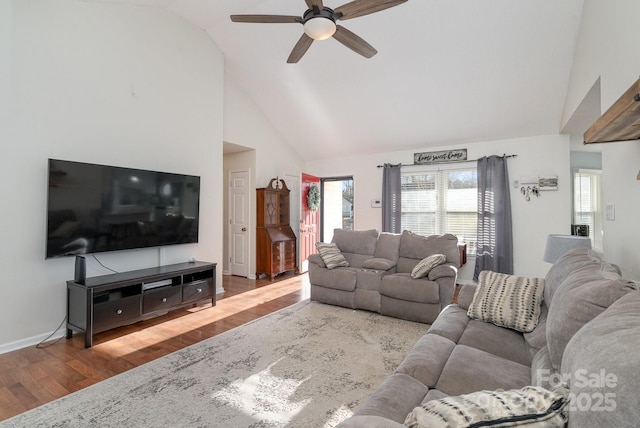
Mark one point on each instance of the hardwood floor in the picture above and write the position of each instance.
(34, 376)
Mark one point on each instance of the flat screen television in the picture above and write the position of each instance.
(96, 208)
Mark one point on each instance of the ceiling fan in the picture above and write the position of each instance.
(319, 23)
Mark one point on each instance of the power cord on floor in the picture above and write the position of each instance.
(40, 345)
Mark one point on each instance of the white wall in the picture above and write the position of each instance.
(104, 83)
(246, 125)
(532, 221)
(607, 49)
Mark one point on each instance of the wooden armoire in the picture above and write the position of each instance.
(275, 240)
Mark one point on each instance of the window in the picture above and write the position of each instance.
(443, 200)
(586, 203)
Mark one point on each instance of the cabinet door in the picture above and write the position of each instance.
(271, 209)
(283, 208)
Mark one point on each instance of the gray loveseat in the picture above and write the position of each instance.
(588, 336)
(378, 277)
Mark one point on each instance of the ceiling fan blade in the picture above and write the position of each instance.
(365, 7)
(354, 42)
(316, 3)
(268, 19)
(300, 49)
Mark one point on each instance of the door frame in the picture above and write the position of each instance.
(294, 207)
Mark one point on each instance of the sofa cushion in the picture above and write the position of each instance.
(582, 296)
(451, 323)
(507, 300)
(414, 247)
(402, 286)
(388, 246)
(338, 279)
(499, 341)
(470, 369)
(425, 265)
(601, 364)
(427, 359)
(537, 339)
(378, 263)
(542, 372)
(394, 398)
(572, 261)
(433, 394)
(530, 406)
(465, 295)
(331, 255)
(356, 241)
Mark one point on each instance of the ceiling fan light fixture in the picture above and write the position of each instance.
(319, 28)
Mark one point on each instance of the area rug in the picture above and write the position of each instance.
(308, 365)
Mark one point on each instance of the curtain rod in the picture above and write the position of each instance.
(438, 163)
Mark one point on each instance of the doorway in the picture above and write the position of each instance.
(309, 222)
(337, 198)
(239, 221)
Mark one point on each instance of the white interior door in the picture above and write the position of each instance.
(239, 222)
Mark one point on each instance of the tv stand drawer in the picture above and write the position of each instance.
(197, 290)
(161, 299)
(114, 314)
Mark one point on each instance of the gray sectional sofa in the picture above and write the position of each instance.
(378, 277)
(587, 336)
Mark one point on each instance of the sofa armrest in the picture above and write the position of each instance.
(445, 276)
(442, 271)
(369, 421)
(465, 295)
(316, 260)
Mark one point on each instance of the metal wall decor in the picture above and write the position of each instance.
(532, 186)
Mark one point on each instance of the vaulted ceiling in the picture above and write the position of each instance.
(446, 71)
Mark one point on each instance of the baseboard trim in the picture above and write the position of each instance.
(29, 341)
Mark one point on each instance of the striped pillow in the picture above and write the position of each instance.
(331, 255)
(507, 300)
(425, 265)
(532, 406)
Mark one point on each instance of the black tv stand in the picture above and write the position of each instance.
(110, 301)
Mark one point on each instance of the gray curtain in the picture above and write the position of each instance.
(391, 198)
(495, 242)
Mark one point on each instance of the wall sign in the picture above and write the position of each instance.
(426, 158)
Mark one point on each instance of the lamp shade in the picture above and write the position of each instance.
(319, 28)
(558, 245)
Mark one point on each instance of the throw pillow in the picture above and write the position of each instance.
(331, 255)
(425, 265)
(529, 406)
(507, 300)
